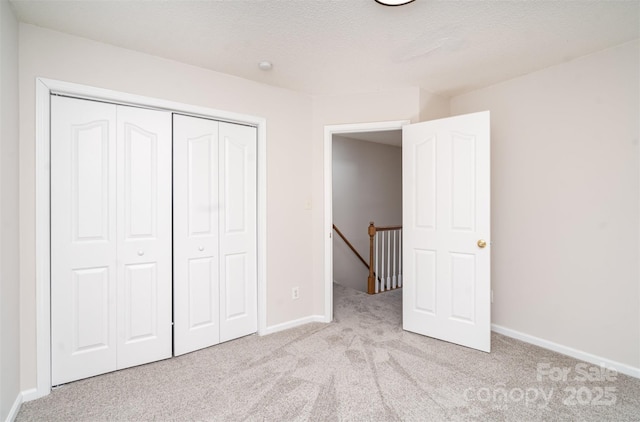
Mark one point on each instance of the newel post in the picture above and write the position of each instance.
(371, 289)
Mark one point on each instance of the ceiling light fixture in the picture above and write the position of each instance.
(394, 2)
(265, 65)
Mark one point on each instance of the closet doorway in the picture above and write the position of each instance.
(124, 103)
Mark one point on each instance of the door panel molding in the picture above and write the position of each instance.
(448, 297)
(83, 205)
(44, 89)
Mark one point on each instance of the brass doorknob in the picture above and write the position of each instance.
(481, 243)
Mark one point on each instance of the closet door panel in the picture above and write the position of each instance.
(144, 235)
(238, 289)
(196, 280)
(83, 239)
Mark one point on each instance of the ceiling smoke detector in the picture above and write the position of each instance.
(394, 2)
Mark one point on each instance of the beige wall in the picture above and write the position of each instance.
(565, 196)
(367, 186)
(295, 125)
(49, 54)
(9, 239)
(565, 183)
(433, 107)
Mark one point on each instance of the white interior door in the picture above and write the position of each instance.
(83, 239)
(195, 227)
(238, 231)
(446, 224)
(215, 232)
(144, 235)
(110, 237)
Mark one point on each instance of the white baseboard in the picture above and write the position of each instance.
(291, 324)
(30, 394)
(13, 412)
(565, 350)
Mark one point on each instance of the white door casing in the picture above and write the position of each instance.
(110, 237)
(195, 257)
(329, 132)
(446, 212)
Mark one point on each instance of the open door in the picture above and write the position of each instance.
(446, 225)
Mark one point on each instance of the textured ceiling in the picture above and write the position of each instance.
(325, 47)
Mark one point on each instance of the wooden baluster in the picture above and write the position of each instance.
(370, 281)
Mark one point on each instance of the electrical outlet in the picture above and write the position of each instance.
(295, 293)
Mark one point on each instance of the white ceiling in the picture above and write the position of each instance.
(329, 46)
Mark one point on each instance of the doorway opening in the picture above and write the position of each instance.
(446, 233)
(389, 133)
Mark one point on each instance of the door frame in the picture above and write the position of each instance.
(44, 89)
(329, 131)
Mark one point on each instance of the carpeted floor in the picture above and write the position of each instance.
(360, 367)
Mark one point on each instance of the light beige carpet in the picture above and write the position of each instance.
(360, 367)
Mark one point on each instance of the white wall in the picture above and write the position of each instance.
(9, 240)
(367, 186)
(49, 54)
(565, 202)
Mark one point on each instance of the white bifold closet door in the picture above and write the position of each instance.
(110, 237)
(215, 256)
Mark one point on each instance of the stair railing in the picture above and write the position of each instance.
(350, 246)
(385, 258)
